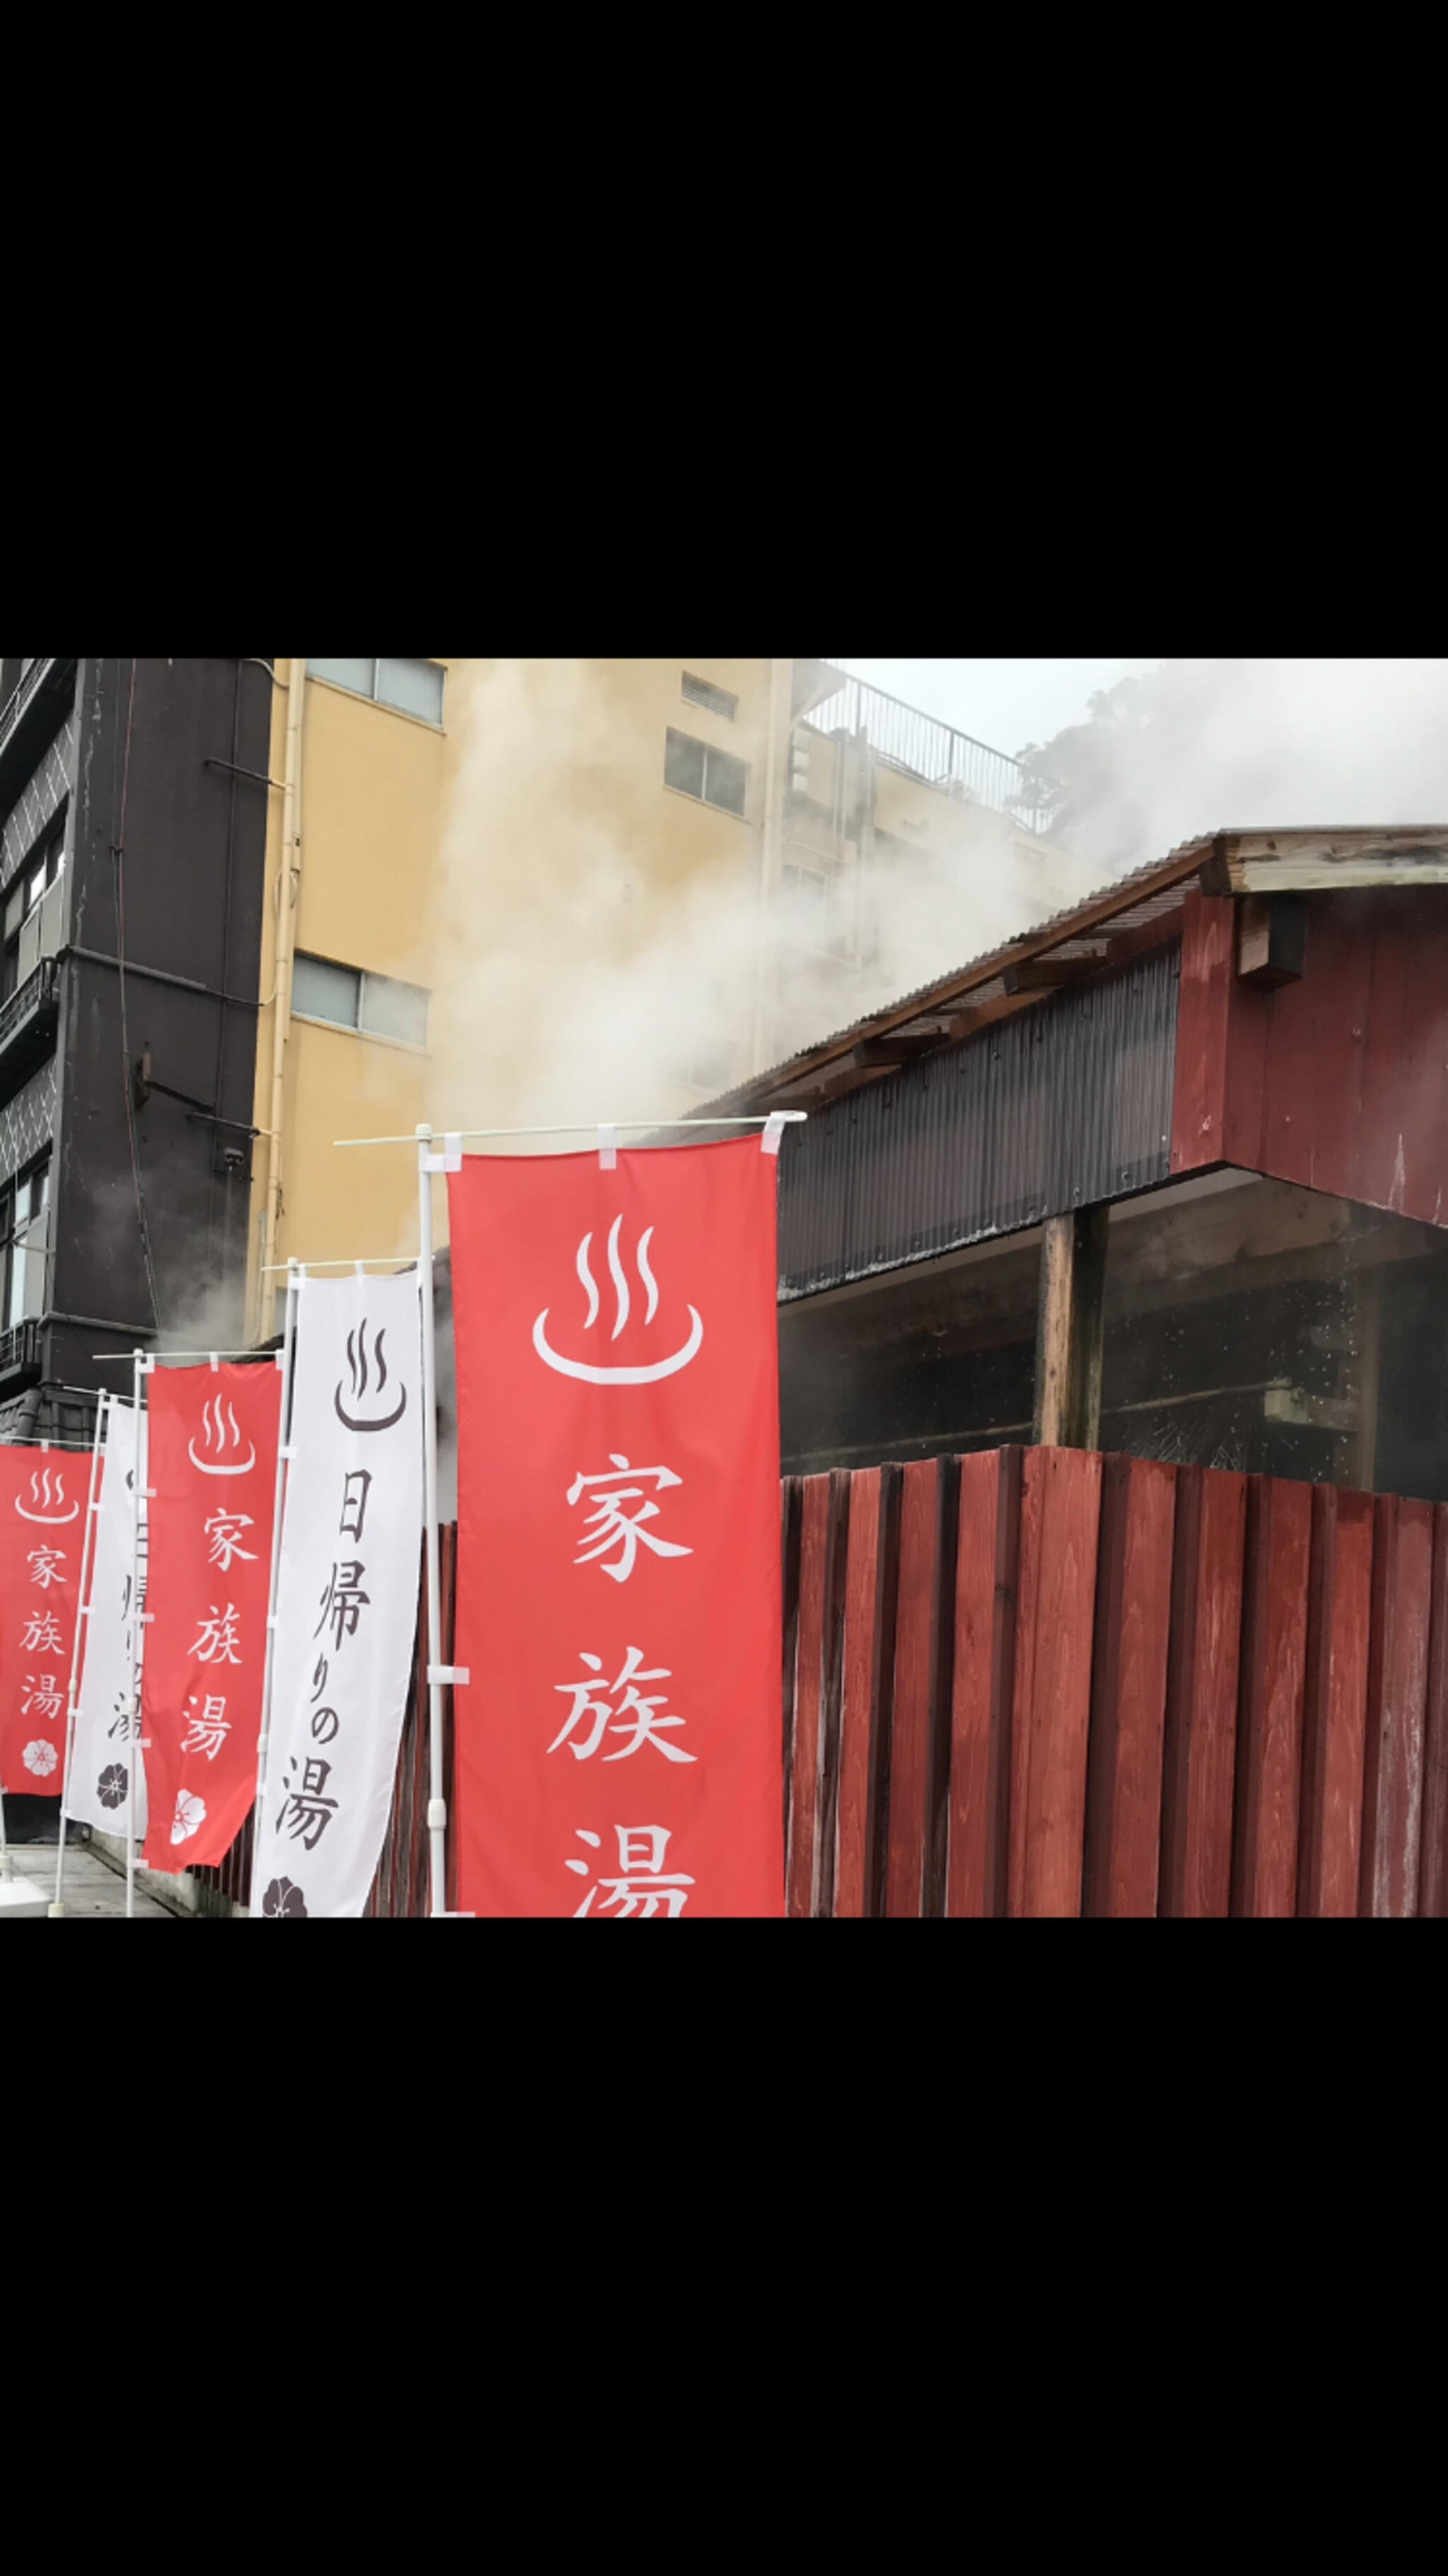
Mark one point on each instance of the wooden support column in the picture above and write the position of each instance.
(1069, 1330)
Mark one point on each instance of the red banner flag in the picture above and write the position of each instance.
(619, 1744)
(42, 1530)
(212, 1465)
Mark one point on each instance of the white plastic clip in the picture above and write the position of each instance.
(607, 1147)
(449, 1160)
(437, 1815)
(215, 1361)
(769, 1142)
(287, 1450)
(449, 1675)
(282, 1360)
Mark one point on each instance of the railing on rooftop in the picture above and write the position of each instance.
(920, 746)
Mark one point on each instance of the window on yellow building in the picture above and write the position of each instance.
(702, 693)
(413, 688)
(377, 1006)
(696, 769)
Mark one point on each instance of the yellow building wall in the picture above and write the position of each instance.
(523, 862)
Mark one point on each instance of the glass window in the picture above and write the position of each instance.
(725, 780)
(415, 687)
(683, 764)
(23, 1213)
(717, 777)
(393, 1010)
(346, 675)
(324, 992)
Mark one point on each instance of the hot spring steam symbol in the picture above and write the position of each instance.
(47, 1492)
(219, 1423)
(623, 1304)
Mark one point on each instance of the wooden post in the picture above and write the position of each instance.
(1069, 1330)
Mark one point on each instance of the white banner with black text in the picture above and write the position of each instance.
(347, 1593)
(105, 1731)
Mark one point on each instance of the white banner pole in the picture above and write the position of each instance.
(263, 1741)
(427, 1164)
(82, 1613)
(138, 1637)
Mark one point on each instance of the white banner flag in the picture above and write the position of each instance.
(347, 1586)
(97, 1792)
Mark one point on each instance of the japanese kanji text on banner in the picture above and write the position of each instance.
(212, 1452)
(619, 1745)
(98, 1791)
(42, 1521)
(347, 1586)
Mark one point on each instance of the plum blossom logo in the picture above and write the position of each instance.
(40, 1757)
(222, 1433)
(592, 1374)
(47, 1492)
(190, 1816)
(283, 1897)
(112, 1785)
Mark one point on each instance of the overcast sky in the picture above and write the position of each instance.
(1006, 704)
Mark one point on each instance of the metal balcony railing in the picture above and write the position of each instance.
(920, 746)
(20, 697)
(20, 1347)
(37, 994)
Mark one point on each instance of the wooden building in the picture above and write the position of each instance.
(1167, 1176)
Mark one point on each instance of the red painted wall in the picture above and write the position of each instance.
(1338, 1082)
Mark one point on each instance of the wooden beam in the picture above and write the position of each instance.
(1069, 1330)
(1046, 974)
(1271, 939)
(1318, 862)
(905, 1048)
(1004, 1007)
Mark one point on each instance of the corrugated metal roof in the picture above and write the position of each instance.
(1055, 935)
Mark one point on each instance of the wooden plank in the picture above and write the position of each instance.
(1199, 1755)
(1271, 939)
(1199, 1091)
(987, 1559)
(808, 1695)
(1050, 1722)
(789, 1535)
(1315, 862)
(1396, 1708)
(1274, 1670)
(865, 1692)
(834, 1649)
(1339, 1623)
(1128, 1691)
(917, 1624)
(1070, 1329)
(1433, 1869)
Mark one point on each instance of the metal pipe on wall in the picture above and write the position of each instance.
(289, 878)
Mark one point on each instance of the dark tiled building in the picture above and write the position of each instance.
(132, 832)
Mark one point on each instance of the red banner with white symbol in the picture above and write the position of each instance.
(42, 1528)
(619, 1742)
(212, 1463)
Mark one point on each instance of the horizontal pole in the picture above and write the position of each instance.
(253, 1351)
(575, 1127)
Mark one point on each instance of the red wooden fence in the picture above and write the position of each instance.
(1048, 1682)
